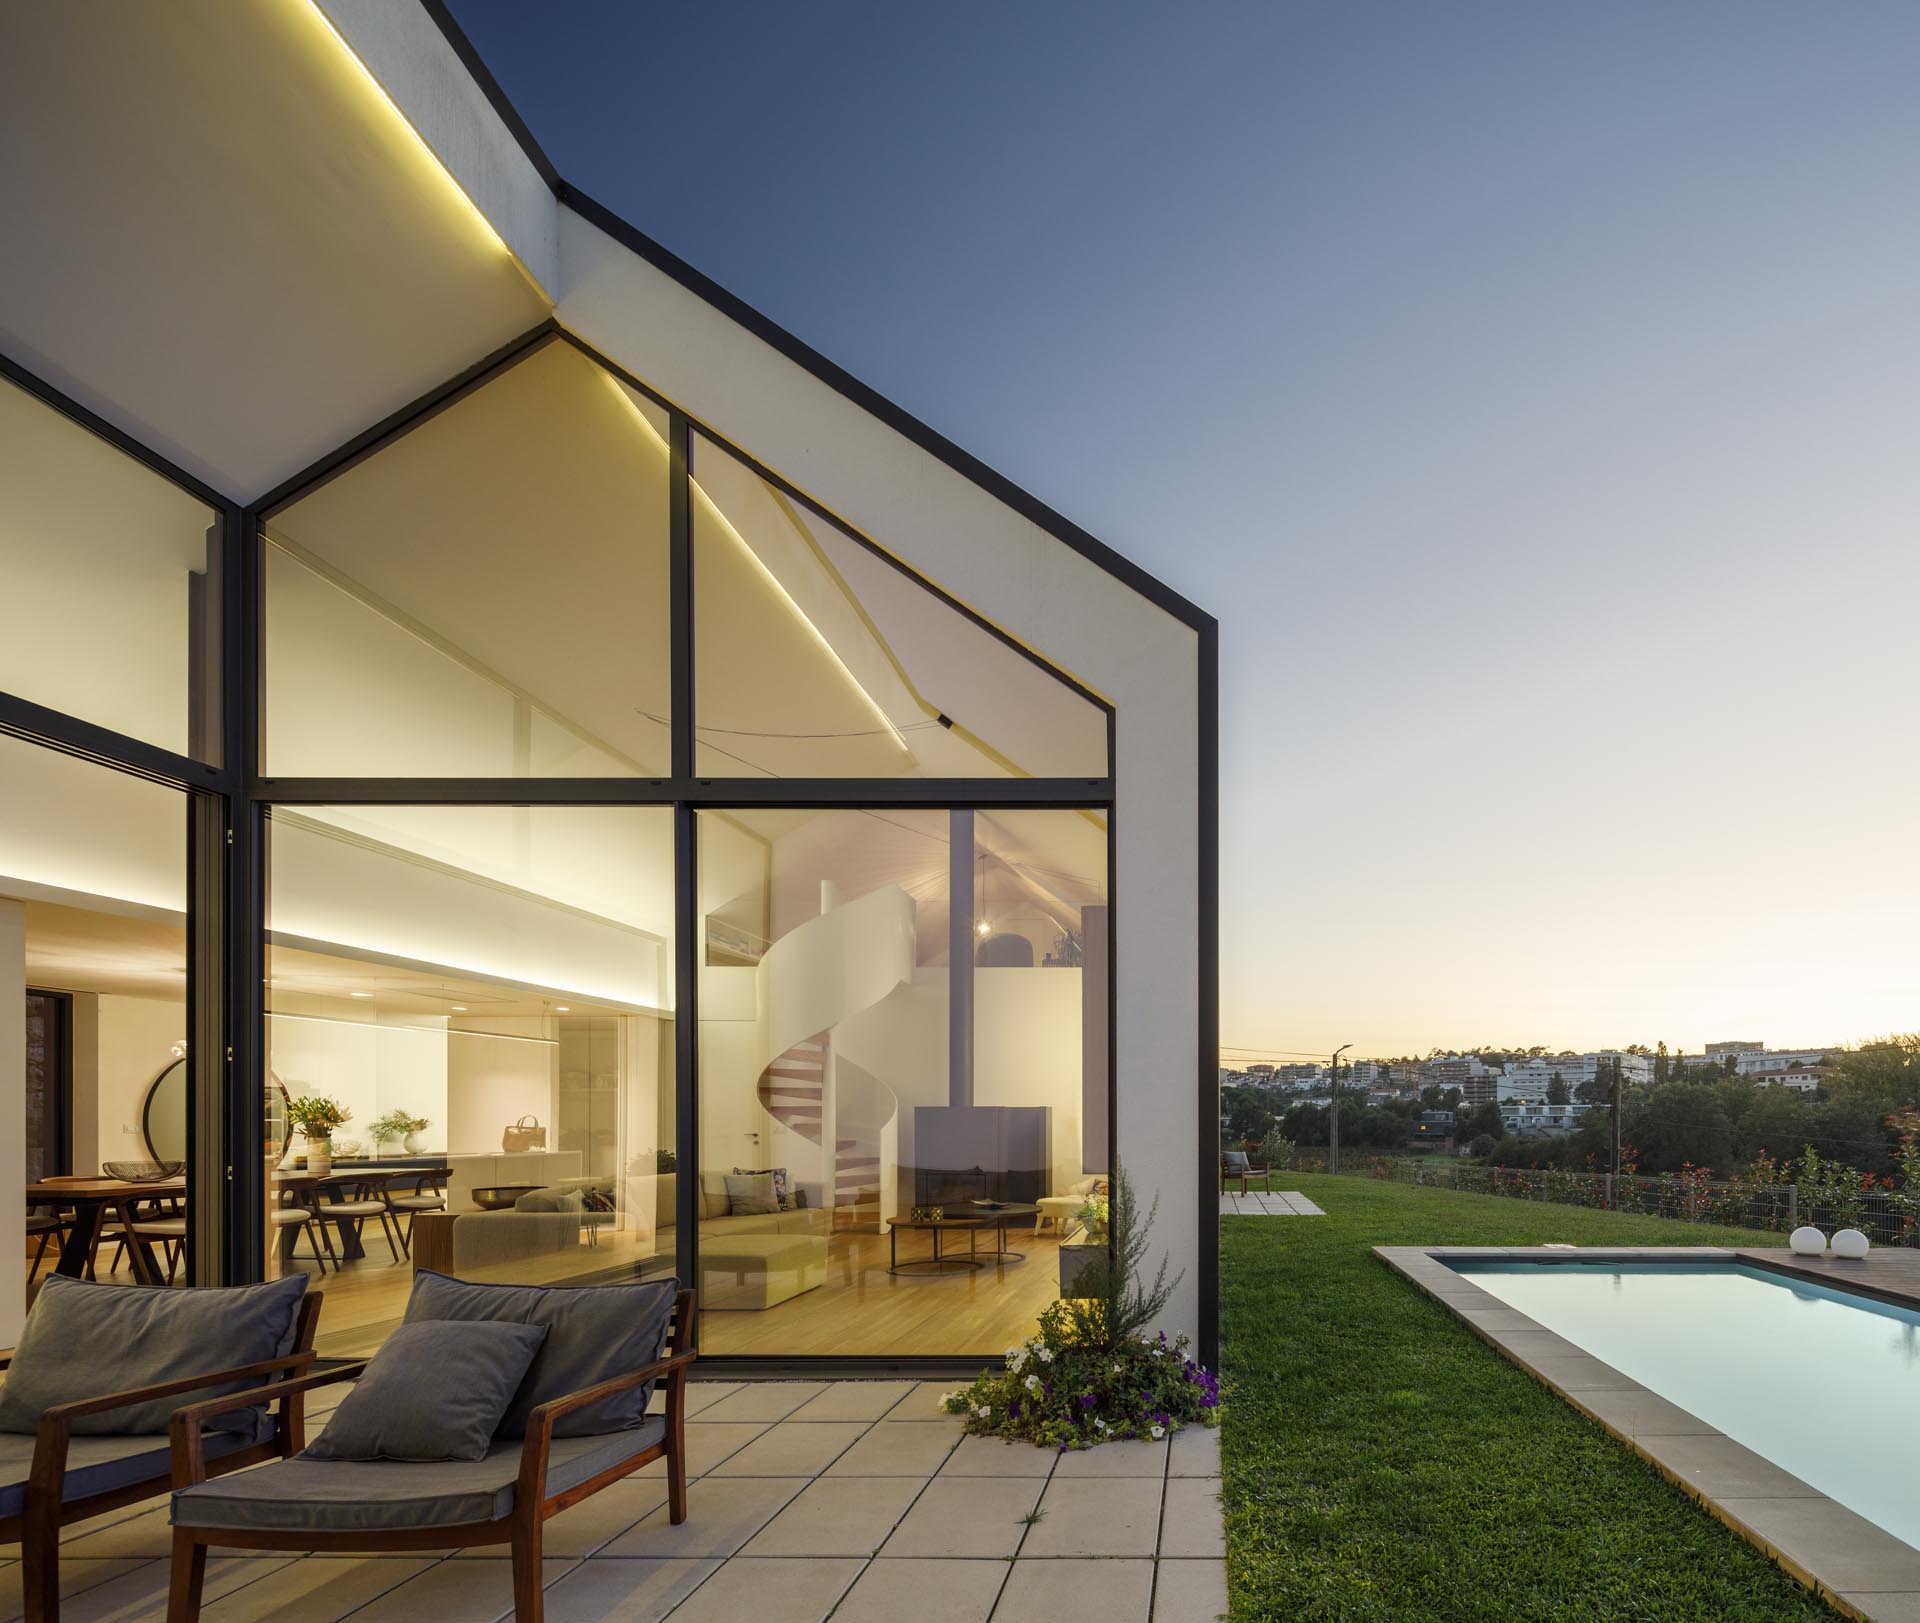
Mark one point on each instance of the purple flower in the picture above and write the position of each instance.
(1088, 1400)
(1013, 1409)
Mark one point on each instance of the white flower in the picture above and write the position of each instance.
(1158, 1432)
(1046, 1355)
(1033, 1383)
(1116, 1369)
(985, 1411)
(1099, 1424)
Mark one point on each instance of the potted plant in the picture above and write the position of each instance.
(314, 1118)
(383, 1130)
(1079, 1255)
(415, 1142)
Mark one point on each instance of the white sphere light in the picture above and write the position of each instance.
(1807, 1241)
(1851, 1244)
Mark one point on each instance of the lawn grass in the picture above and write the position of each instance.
(1381, 1462)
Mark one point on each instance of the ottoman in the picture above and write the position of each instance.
(757, 1271)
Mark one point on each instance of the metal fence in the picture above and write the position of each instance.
(1885, 1216)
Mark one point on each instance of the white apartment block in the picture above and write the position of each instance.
(1530, 1078)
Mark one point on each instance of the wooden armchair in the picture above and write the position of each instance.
(1236, 1164)
(54, 1478)
(354, 1505)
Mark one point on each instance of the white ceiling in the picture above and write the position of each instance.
(225, 239)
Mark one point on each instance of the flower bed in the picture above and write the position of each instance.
(1062, 1389)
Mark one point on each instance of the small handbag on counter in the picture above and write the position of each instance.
(524, 1134)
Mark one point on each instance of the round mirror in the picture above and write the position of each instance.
(163, 1119)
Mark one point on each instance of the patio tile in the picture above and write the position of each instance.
(1189, 1591)
(701, 1396)
(76, 1577)
(924, 1403)
(1843, 1550)
(996, 1456)
(1049, 1591)
(1118, 1516)
(764, 1400)
(721, 1516)
(632, 1591)
(316, 1590)
(771, 1591)
(1498, 1320)
(897, 1448)
(132, 1592)
(1130, 1458)
(965, 1516)
(854, 1400)
(474, 1591)
(796, 1448)
(142, 1535)
(1642, 1413)
(1723, 1469)
(591, 1523)
(708, 1443)
(1195, 1452)
(1190, 1524)
(924, 1591)
(1528, 1346)
(838, 1516)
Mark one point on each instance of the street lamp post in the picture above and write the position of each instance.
(1333, 1108)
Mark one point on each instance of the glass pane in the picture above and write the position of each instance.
(847, 1094)
(818, 658)
(484, 597)
(93, 948)
(110, 574)
(484, 995)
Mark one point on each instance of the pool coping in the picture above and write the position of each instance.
(1848, 1561)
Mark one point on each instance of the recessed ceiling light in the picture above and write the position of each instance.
(459, 1008)
(561, 1008)
(362, 994)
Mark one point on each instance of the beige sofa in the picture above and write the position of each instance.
(749, 1261)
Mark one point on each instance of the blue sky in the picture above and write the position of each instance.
(1533, 392)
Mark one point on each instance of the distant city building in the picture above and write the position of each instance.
(1434, 1126)
(1782, 1059)
(1803, 1080)
(1722, 1050)
(1530, 1078)
(1542, 1120)
(1472, 1076)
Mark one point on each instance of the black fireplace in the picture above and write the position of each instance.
(981, 1152)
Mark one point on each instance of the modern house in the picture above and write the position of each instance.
(464, 665)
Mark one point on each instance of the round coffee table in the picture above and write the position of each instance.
(971, 1219)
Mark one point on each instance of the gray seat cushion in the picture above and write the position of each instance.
(84, 1340)
(305, 1495)
(102, 1463)
(594, 1333)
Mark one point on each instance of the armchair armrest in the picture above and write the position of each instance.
(184, 1430)
(539, 1437)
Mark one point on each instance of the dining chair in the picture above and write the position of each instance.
(357, 1198)
(422, 1199)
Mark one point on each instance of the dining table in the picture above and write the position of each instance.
(95, 1199)
(298, 1187)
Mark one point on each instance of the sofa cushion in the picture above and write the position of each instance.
(751, 1195)
(782, 1185)
(553, 1199)
(365, 1496)
(99, 1464)
(436, 1390)
(85, 1340)
(594, 1333)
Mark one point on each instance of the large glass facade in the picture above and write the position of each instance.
(903, 1074)
(463, 1051)
(819, 658)
(112, 578)
(483, 995)
(93, 951)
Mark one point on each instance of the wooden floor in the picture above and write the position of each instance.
(861, 1310)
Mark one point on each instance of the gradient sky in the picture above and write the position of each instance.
(1533, 392)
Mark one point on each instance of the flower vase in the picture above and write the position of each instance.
(414, 1143)
(320, 1155)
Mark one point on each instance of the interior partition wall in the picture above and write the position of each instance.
(480, 710)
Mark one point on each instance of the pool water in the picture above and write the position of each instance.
(1823, 1383)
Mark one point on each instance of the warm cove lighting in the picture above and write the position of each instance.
(379, 90)
(800, 614)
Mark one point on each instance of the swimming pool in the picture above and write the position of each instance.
(1823, 1383)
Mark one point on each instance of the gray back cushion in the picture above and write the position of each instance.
(751, 1194)
(1236, 1160)
(85, 1340)
(435, 1391)
(594, 1332)
(551, 1200)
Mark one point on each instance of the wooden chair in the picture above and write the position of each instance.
(293, 1212)
(590, 1464)
(358, 1199)
(1235, 1164)
(50, 1225)
(429, 1194)
(72, 1478)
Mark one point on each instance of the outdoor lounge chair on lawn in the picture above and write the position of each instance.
(1235, 1164)
(541, 1455)
(142, 1351)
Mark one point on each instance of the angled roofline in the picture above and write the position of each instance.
(805, 356)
